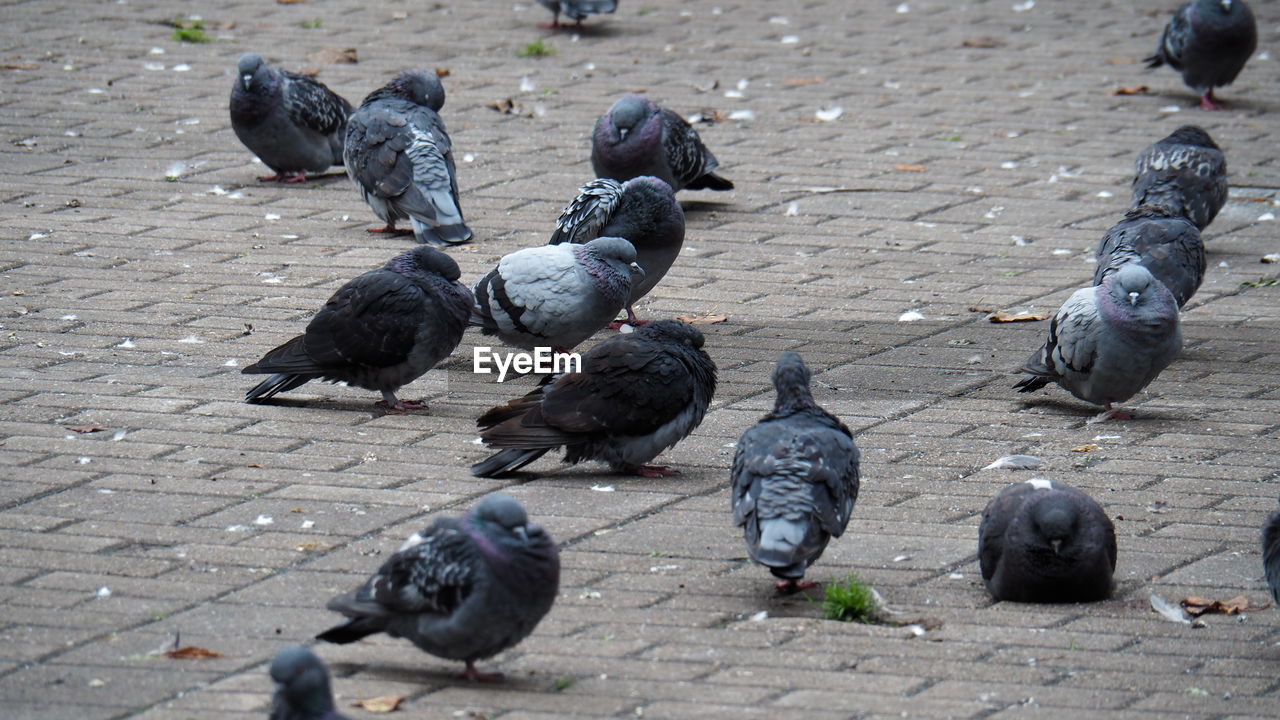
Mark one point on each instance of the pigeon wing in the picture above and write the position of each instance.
(588, 213)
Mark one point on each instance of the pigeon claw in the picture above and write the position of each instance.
(299, 178)
(794, 586)
(1209, 102)
(474, 675)
(391, 229)
(656, 471)
(394, 403)
(1108, 414)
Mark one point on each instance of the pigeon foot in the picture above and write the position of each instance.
(656, 471)
(474, 675)
(278, 177)
(1209, 102)
(794, 586)
(391, 402)
(390, 229)
(1108, 414)
(299, 178)
(553, 25)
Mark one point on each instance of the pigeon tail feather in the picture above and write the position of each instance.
(278, 383)
(506, 461)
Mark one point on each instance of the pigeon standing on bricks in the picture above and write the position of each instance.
(575, 10)
(1271, 553)
(1167, 245)
(1184, 173)
(302, 687)
(1209, 42)
(637, 137)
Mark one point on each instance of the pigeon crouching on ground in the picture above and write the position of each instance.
(1166, 245)
(1271, 553)
(463, 589)
(575, 10)
(637, 137)
(1209, 42)
(1184, 173)
(1046, 542)
(302, 687)
(293, 123)
(794, 478)
(636, 395)
(380, 331)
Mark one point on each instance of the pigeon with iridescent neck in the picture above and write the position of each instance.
(1184, 173)
(1209, 42)
(1167, 245)
(302, 687)
(638, 137)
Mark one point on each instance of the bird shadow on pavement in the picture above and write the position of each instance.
(695, 207)
(1086, 413)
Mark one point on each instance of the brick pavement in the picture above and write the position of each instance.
(128, 299)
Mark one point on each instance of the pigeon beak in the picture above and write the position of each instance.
(623, 132)
(521, 533)
(1057, 546)
(636, 270)
(1133, 298)
(246, 80)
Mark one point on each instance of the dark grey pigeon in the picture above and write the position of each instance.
(380, 331)
(1271, 553)
(1108, 342)
(1167, 245)
(575, 10)
(400, 157)
(643, 210)
(292, 122)
(1185, 173)
(1208, 41)
(302, 687)
(1046, 542)
(556, 295)
(636, 395)
(794, 478)
(637, 137)
(463, 589)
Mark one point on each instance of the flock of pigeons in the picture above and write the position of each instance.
(467, 588)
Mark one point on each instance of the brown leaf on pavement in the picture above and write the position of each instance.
(85, 428)
(1197, 606)
(983, 42)
(909, 168)
(506, 106)
(1084, 448)
(334, 56)
(708, 319)
(191, 652)
(802, 81)
(384, 704)
(1004, 316)
(1130, 90)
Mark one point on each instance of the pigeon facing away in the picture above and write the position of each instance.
(1208, 41)
(575, 10)
(637, 137)
(382, 330)
(642, 210)
(293, 123)
(636, 395)
(1167, 245)
(1046, 542)
(302, 687)
(1185, 173)
(556, 295)
(794, 477)
(1108, 342)
(463, 589)
(399, 155)
(1271, 553)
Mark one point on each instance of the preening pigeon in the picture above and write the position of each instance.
(1271, 553)
(1042, 541)
(464, 589)
(1185, 173)
(642, 210)
(636, 395)
(292, 122)
(380, 331)
(1208, 41)
(556, 295)
(576, 10)
(794, 477)
(400, 157)
(1167, 245)
(1109, 341)
(302, 687)
(637, 137)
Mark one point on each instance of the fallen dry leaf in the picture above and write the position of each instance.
(802, 81)
(1004, 316)
(980, 309)
(1084, 448)
(711, 116)
(334, 56)
(85, 428)
(708, 319)
(983, 42)
(384, 704)
(506, 106)
(309, 547)
(21, 66)
(909, 168)
(1130, 90)
(1197, 606)
(1121, 61)
(443, 72)
(191, 652)
(260, 466)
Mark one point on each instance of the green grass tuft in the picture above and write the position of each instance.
(189, 31)
(536, 49)
(563, 683)
(311, 24)
(850, 601)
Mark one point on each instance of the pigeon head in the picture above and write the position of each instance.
(302, 682)
(1134, 285)
(420, 87)
(1193, 135)
(791, 383)
(503, 533)
(617, 253)
(673, 331)
(629, 114)
(251, 71)
(425, 258)
(1055, 518)
(648, 201)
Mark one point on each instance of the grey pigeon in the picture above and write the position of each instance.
(382, 330)
(794, 477)
(1108, 342)
(463, 589)
(576, 10)
(1167, 245)
(1271, 553)
(292, 122)
(1208, 41)
(637, 137)
(399, 155)
(642, 210)
(1185, 173)
(636, 395)
(302, 687)
(556, 295)
(1046, 542)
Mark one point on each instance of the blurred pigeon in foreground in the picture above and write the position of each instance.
(464, 589)
(293, 123)
(382, 330)
(575, 10)
(399, 155)
(1208, 41)
(794, 477)
(637, 395)
(1167, 245)
(637, 137)
(1271, 553)
(1109, 341)
(302, 687)
(642, 210)
(1042, 541)
(1184, 173)
(556, 295)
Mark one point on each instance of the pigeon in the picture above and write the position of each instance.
(463, 589)
(643, 210)
(382, 330)
(795, 479)
(1109, 341)
(1185, 173)
(399, 156)
(302, 687)
(636, 395)
(1045, 542)
(637, 137)
(1271, 553)
(556, 295)
(576, 10)
(1208, 41)
(1167, 245)
(292, 122)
